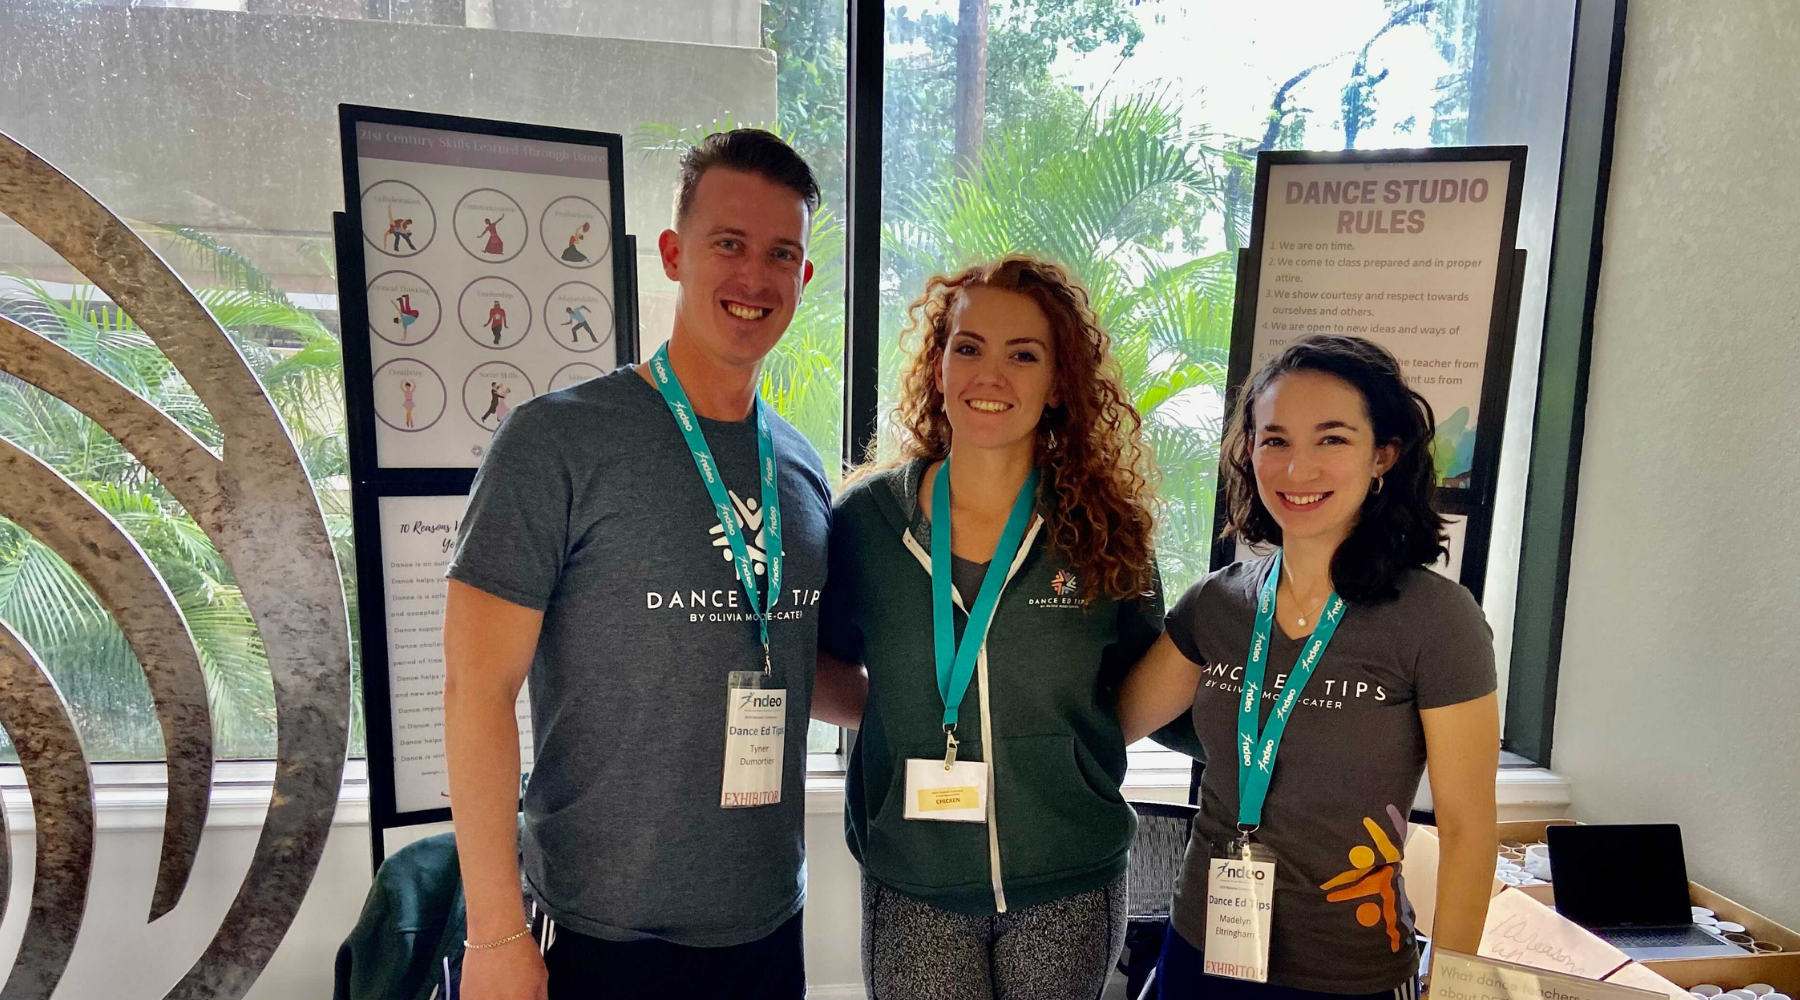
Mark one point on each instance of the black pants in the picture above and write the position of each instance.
(586, 968)
(1180, 975)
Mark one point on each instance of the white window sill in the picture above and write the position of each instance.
(132, 796)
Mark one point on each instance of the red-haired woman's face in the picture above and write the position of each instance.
(999, 367)
(1315, 455)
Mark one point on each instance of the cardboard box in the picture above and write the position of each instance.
(1419, 868)
(1780, 971)
(1637, 977)
(1755, 924)
(1532, 832)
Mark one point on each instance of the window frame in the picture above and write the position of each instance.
(1559, 416)
(1597, 53)
(1559, 413)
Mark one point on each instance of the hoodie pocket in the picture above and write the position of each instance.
(923, 854)
(1056, 808)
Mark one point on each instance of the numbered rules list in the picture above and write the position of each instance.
(1402, 253)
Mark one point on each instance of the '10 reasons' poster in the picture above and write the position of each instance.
(490, 281)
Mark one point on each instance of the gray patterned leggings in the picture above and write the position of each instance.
(1060, 950)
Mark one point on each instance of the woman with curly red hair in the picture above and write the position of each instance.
(996, 581)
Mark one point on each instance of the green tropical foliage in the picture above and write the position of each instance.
(1121, 189)
(1097, 195)
(53, 609)
(1111, 193)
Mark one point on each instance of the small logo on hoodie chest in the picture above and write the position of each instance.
(1064, 590)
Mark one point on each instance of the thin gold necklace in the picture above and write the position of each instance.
(1295, 592)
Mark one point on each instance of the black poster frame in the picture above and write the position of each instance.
(1476, 501)
(370, 482)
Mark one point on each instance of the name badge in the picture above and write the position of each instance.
(755, 737)
(1240, 901)
(956, 794)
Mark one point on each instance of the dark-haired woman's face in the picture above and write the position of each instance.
(1315, 455)
(999, 370)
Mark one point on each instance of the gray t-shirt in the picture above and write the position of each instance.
(967, 575)
(588, 507)
(1347, 772)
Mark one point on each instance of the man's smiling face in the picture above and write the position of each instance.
(740, 258)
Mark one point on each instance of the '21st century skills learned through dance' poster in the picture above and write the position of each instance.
(490, 281)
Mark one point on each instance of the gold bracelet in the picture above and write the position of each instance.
(472, 946)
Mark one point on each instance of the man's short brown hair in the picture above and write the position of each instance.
(750, 151)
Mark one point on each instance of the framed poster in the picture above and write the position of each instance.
(1413, 249)
(481, 264)
(417, 536)
(492, 258)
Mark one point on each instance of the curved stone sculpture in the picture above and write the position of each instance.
(57, 513)
(253, 501)
(35, 716)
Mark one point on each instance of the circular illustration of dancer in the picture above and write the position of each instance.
(490, 225)
(409, 395)
(403, 308)
(397, 219)
(573, 374)
(578, 317)
(492, 390)
(494, 312)
(575, 231)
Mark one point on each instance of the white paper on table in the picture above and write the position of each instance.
(1462, 977)
(1522, 930)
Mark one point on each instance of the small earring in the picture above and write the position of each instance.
(1050, 439)
(1377, 490)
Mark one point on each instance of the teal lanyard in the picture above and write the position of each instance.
(1256, 759)
(956, 664)
(672, 394)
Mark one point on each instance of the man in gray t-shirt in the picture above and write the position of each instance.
(592, 559)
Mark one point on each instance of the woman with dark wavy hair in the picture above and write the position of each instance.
(996, 580)
(1322, 679)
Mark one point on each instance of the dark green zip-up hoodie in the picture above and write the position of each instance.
(1039, 710)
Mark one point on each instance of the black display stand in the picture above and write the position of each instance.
(369, 481)
(1476, 501)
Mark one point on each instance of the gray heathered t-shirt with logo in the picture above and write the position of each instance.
(1347, 771)
(588, 506)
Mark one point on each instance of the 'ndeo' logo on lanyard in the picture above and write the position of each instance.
(1286, 705)
(682, 415)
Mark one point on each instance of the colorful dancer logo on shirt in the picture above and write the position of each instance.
(1367, 878)
(1064, 583)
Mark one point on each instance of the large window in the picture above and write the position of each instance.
(1119, 138)
(1116, 136)
(216, 131)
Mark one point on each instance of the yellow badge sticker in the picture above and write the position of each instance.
(939, 799)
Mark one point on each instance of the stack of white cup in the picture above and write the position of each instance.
(1523, 864)
(1755, 991)
(1733, 932)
